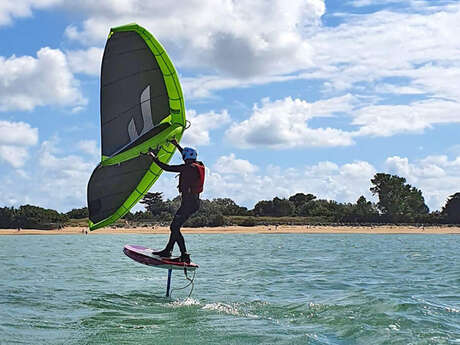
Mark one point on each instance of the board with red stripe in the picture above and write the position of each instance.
(144, 256)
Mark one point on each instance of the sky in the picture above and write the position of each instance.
(283, 97)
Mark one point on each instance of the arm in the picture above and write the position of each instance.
(166, 167)
(176, 144)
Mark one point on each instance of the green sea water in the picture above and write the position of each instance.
(249, 289)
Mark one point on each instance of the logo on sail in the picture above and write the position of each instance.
(146, 116)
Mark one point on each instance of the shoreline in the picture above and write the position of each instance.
(282, 229)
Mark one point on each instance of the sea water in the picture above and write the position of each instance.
(249, 289)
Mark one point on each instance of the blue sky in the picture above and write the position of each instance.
(304, 96)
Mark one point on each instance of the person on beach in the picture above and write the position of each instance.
(191, 180)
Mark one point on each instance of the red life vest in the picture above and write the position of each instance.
(197, 186)
(192, 181)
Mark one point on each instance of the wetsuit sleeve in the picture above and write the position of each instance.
(172, 168)
(179, 148)
(176, 144)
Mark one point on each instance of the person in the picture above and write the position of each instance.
(191, 180)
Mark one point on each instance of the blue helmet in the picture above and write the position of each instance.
(189, 153)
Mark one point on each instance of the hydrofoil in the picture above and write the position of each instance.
(145, 256)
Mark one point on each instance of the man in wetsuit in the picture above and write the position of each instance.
(191, 179)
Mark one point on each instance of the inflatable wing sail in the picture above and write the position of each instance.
(142, 107)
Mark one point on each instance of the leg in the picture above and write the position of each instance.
(190, 204)
(176, 235)
(172, 236)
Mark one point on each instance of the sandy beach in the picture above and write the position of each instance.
(285, 229)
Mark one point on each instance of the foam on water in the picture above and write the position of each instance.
(185, 302)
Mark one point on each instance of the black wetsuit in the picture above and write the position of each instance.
(190, 202)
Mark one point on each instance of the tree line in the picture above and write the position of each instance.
(398, 202)
(31, 217)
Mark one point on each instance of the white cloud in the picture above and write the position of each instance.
(384, 88)
(361, 3)
(27, 82)
(14, 155)
(368, 42)
(231, 37)
(201, 124)
(90, 147)
(284, 124)
(86, 61)
(344, 183)
(439, 79)
(358, 57)
(330, 106)
(58, 180)
(17, 133)
(415, 4)
(204, 86)
(232, 165)
(387, 120)
(15, 139)
(22, 8)
(234, 46)
(208, 34)
(422, 47)
(63, 178)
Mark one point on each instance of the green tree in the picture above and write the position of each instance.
(7, 218)
(78, 213)
(129, 216)
(228, 207)
(137, 216)
(216, 220)
(366, 211)
(208, 215)
(398, 201)
(300, 200)
(154, 203)
(451, 210)
(174, 204)
(362, 211)
(282, 207)
(263, 208)
(29, 216)
(306, 209)
(274, 208)
(324, 208)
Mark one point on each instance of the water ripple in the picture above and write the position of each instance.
(291, 289)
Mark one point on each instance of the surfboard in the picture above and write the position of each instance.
(144, 256)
